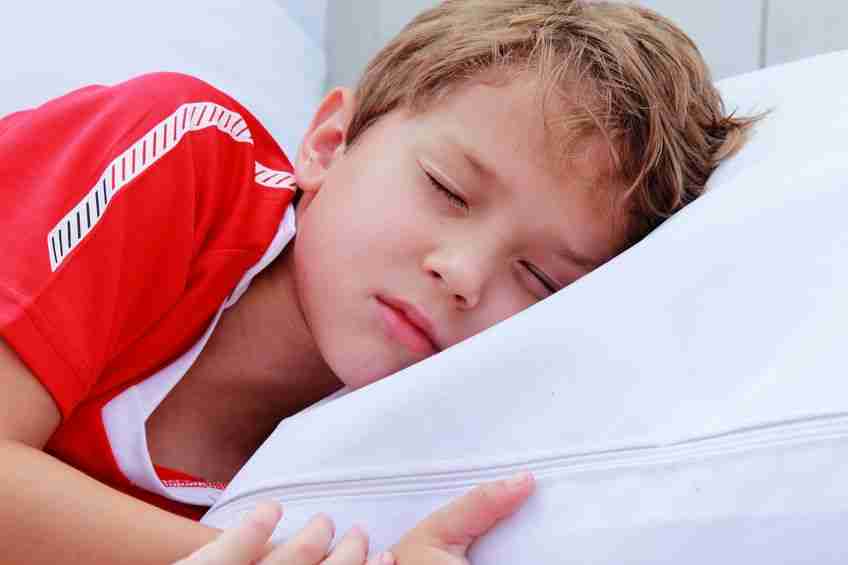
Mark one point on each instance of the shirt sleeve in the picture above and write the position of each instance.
(108, 195)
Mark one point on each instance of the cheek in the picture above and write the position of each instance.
(505, 299)
(509, 301)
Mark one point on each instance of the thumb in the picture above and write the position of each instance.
(457, 525)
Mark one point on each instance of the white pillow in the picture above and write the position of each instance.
(253, 50)
(686, 403)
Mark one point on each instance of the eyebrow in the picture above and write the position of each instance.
(482, 169)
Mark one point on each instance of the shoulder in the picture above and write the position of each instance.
(168, 94)
(151, 98)
(170, 86)
(110, 115)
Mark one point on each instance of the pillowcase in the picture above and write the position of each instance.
(253, 51)
(685, 403)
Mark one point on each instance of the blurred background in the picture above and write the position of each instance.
(279, 57)
(735, 36)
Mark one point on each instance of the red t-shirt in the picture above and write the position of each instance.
(131, 214)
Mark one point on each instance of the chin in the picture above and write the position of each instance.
(366, 375)
(357, 382)
(366, 360)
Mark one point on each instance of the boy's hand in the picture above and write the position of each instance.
(444, 537)
(247, 544)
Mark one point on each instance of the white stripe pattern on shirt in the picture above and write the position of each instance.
(139, 157)
(274, 179)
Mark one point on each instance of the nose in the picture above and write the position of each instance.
(461, 275)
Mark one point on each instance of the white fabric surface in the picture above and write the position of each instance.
(254, 51)
(686, 403)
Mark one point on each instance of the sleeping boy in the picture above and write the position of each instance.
(160, 316)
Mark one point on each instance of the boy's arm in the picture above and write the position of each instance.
(106, 190)
(52, 513)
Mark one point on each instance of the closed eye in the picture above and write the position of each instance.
(455, 200)
(549, 285)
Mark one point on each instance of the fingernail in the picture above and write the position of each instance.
(518, 480)
(387, 558)
(267, 514)
(359, 531)
(323, 522)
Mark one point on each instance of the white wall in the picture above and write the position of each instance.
(310, 14)
(729, 33)
(358, 29)
(801, 28)
(735, 36)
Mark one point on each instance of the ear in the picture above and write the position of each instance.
(324, 141)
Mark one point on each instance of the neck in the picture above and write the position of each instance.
(260, 366)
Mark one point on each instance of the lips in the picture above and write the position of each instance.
(408, 325)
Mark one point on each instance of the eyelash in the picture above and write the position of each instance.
(455, 200)
(532, 270)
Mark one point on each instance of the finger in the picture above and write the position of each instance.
(458, 524)
(308, 547)
(384, 558)
(352, 550)
(241, 544)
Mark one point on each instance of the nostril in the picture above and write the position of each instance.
(435, 275)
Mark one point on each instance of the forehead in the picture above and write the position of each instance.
(518, 138)
(511, 122)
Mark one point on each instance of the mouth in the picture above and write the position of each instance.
(408, 325)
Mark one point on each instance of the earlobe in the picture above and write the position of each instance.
(324, 141)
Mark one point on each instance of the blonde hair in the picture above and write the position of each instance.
(636, 77)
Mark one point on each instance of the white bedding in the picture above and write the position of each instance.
(686, 403)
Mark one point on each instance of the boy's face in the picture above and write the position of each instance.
(391, 268)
